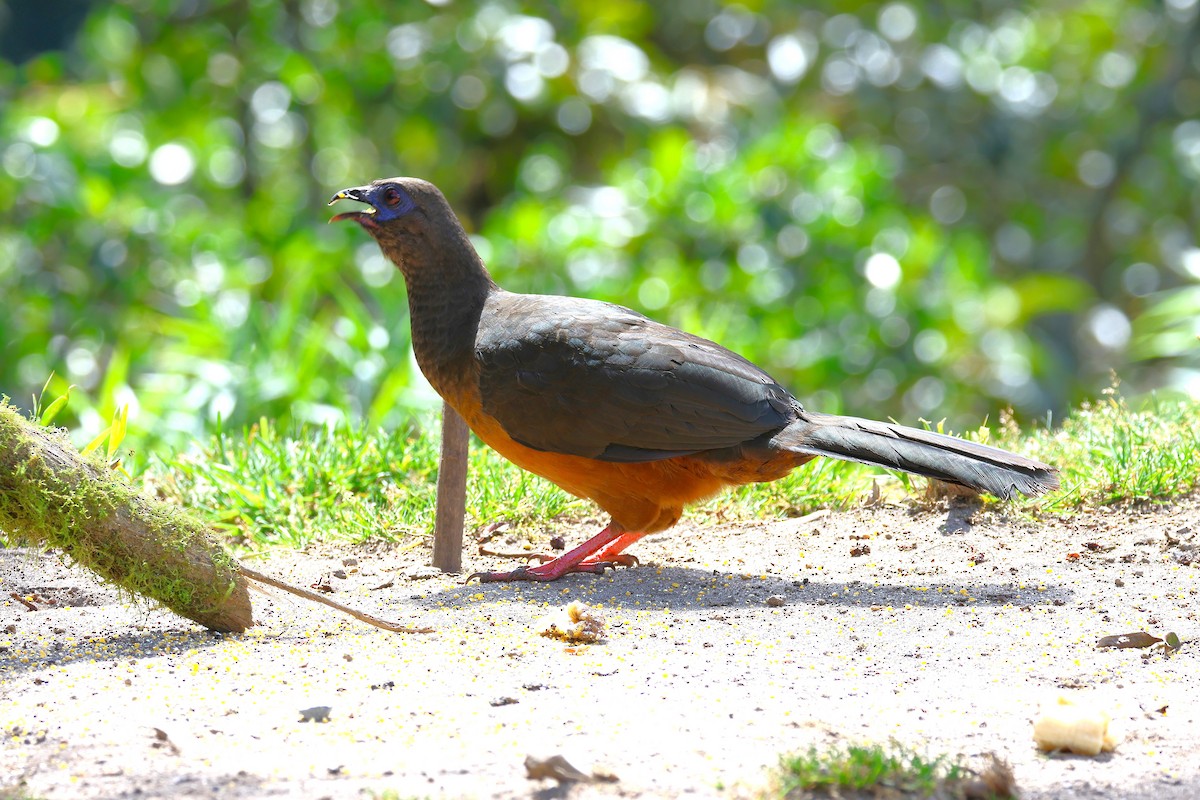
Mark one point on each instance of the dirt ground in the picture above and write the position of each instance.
(945, 630)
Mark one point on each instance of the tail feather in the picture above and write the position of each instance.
(933, 455)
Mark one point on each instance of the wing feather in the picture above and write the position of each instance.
(594, 379)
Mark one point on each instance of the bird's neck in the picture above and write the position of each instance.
(447, 288)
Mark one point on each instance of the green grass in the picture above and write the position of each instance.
(886, 772)
(353, 483)
(1106, 452)
(1110, 453)
(348, 483)
(16, 793)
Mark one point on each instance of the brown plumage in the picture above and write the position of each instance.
(635, 415)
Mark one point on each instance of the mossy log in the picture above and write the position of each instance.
(51, 496)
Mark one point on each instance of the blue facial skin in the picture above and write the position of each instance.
(388, 201)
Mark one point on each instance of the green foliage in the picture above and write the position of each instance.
(340, 483)
(1111, 453)
(46, 416)
(885, 771)
(353, 483)
(896, 209)
(1107, 452)
(18, 792)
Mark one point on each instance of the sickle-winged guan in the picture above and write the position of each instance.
(637, 416)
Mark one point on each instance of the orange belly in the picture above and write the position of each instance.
(646, 496)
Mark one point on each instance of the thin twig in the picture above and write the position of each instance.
(30, 606)
(316, 598)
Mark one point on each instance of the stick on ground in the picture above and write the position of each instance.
(316, 598)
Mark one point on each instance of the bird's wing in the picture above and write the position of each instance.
(593, 379)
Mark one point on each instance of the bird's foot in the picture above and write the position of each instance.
(621, 560)
(615, 560)
(551, 571)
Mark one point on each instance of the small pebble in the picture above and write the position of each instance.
(1119, 582)
(315, 714)
(776, 600)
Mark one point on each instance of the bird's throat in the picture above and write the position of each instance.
(447, 288)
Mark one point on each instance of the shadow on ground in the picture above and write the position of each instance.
(682, 587)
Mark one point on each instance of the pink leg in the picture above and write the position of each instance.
(611, 541)
(613, 551)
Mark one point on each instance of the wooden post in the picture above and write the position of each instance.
(451, 493)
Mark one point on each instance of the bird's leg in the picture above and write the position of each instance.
(612, 554)
(578, 560)
(609, 554)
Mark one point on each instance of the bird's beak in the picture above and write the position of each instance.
(357, 193)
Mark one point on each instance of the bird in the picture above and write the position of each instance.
(637, 416)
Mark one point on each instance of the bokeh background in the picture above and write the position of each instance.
(921, 210)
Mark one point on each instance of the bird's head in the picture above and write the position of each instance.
(395, 205)
(417, 230)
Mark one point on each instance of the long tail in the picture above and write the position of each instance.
(934, 455)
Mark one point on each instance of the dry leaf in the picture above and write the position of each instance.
(559, 769)
(555, 768)
(1138, 639)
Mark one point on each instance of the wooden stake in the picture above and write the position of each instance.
(451, 493)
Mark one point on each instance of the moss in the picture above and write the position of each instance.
(51, 496)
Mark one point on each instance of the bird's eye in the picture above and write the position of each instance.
(391, 196)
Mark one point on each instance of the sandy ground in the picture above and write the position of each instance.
(943, 629)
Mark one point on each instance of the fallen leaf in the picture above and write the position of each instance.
(162, 740)
(1122, 640)
(559, 769)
